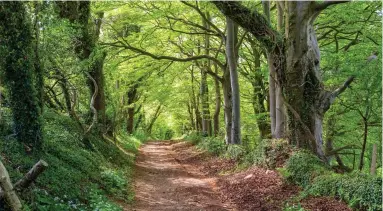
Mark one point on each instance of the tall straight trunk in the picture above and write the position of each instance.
(204, 89)
(195, 103)
(17, 64)
(204, 95)
(259, 97)
(191, 113)
(279, 107)
(39, 70)
(365, 134)
(373, 160)
(226, 87)
(217, 103)
(272, 77)
(231, 58)
(132, 96)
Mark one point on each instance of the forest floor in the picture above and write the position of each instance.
(177, 176)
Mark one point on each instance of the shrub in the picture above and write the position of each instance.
(194, 137)
(213, 145)
(359, 190)
(269, 153)
(234, 151)
(113, 181)
(99, 202)
(302, 167)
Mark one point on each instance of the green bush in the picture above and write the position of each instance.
(99, 202)
(234, 151)
(302, 167)
(194, 137)
(268, 152)
(215, 146)
(113, 181)
(359, 190)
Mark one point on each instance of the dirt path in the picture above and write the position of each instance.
(163, 183)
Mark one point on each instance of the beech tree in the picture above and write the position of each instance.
(296, 62)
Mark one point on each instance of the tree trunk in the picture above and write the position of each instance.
(39, 70)
(195, 103)
(191, 113)
(17, 55)
(231, 58)
(365, 133)
(32, 175)
(217, 103)
(96, 71)
(259, 97)
(272, 78)
(373, 160)
(280, 114)
(226, 87)
(204, 89)
(296, 61)
(8, 191)
(330, 134)
(132, 97)
(86, 46)
(154, 118)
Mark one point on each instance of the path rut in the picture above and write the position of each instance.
(162, 183)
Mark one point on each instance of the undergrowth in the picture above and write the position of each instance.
(77, 178)
(360, 191)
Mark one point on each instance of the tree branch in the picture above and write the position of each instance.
(156, 57)
(341, 89)
(253, 22)
(324, 5)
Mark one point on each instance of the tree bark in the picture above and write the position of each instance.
(8, 190)
(226, 87)
(31, 176)
(231, 58)
(132, 97)
(191, 113)
(259, 97)
(204, 89)
(296, 61)
(195, 103)
(373, 160)
(272, 78)
(17, 54)
(217, 103)
(280, 114)
(86, 46)
(365, 134)
(39, 70)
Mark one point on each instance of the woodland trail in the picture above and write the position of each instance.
(163, 183)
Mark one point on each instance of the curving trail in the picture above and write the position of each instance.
(163, 183)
